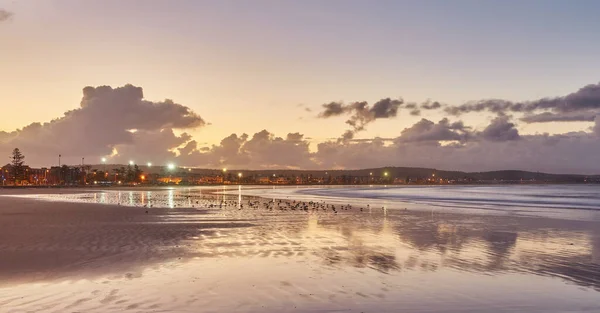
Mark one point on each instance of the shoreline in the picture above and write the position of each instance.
(91, 186)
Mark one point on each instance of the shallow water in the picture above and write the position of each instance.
(380, 259)
(580, 202)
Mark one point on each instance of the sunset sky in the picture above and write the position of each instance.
(248, 66)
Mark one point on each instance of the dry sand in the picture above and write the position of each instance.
(253, 256)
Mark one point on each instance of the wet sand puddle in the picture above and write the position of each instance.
(199, 252)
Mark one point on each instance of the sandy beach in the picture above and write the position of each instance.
(190, 250)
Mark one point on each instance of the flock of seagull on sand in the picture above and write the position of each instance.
(270, 205)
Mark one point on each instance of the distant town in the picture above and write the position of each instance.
(17, 173)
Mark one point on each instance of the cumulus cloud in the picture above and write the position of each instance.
(569, 153)
(5, 15)
(500, 129)
(120, 123)
(102, 124)
(428, 131)
(262, 150)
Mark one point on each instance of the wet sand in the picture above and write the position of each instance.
(160, 250)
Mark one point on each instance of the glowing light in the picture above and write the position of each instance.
(189, 169)
(239, 174)
(385, 174)
(103, 160)
(130, 162)
(224, 170)
(171, 166)
(149, 164)
(143, 177)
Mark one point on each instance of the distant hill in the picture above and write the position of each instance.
(393, 172)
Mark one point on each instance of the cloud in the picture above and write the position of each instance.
(103, 123)
(428, 105)
(415, 112)
(5, 15)
(585, 99)
(596, 128)
(333, 109)
(361, 114)
(428, 131)
(500, 129)
(547, 117)
(262, 150)
(571, 153)
(492, 105)
(385, 108)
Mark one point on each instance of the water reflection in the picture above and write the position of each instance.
(379, 240)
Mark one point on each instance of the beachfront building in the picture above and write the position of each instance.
(64, 175)
(264, 180)
(26, 176)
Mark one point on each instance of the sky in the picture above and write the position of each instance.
(269, 69)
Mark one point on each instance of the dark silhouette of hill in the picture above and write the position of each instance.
(412, 173)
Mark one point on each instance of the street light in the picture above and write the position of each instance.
(130, 162)
(104, 162)
(224, 170)
(149, 164)
(171, 166)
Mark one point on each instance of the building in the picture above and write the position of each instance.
(64, 175)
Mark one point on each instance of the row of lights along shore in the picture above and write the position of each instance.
(170, 166)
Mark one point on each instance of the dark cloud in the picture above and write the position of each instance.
(333, 109)
(596, 128)
(493, 105)
(361, 113)
(431, 105)
(585, 99)
(5, 15)
(108, 120)
(415, 112)
(385, 108)
(547, 117)
(346, 136)
(428, 131)
(500, 129)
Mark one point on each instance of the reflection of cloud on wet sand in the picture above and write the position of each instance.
(371, 243)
